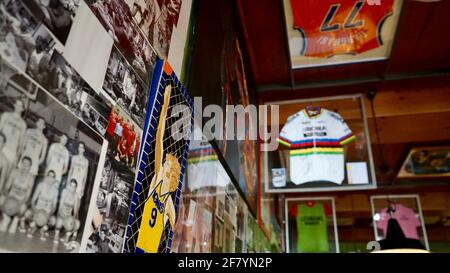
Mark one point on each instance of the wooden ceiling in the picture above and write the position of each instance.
(412, 87)
(422, 45)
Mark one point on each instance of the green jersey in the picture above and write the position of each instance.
(311, 228)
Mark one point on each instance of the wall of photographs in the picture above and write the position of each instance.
(213, 216)
(74, 89)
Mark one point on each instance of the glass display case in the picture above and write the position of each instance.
(324, 145)
(399, 217)
(349, 32)
(311, 225)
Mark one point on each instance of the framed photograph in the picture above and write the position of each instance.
(162, 165)
(424, 162)
(113, 201)
(406, 211)
(69, 88)
(51, 164)
(311, 225)
(324, 145)
(340, 32)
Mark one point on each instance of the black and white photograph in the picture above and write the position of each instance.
(156, 18)
(113, 199)
(49, 161)
(125, 87)
(116, 18)
(10, 77)
(57, 15)
(94, 112)
(23, 41)
(67, 86)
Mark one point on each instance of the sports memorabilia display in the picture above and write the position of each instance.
(336, 32)
(316, 137)
(399, 218)
(319, 148)
(408, 220)
(161, 166)
(348, 27)
(50, 166)
(311, 225)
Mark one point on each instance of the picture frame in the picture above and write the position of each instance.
(326, 201)
(305, 54)
(411, 203)
(426, 162)
(357, 154)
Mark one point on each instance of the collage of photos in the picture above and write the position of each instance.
(117, 181)
(195, 222)
(31, 48)
(48, 166)
(157, 19)
(212, 215)
(116, 18)
(32, 45)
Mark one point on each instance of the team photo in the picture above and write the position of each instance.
(48, 165)
(123, 136)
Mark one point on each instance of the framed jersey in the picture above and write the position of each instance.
(406, 211)
(162, 163)
(324, 145)
(311, 225)
(335, 32)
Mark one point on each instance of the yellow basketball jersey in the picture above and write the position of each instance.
(152, 223)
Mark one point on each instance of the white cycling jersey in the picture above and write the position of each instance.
(316, 145)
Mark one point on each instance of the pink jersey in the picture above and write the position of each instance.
(407, 219)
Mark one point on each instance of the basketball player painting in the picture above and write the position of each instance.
(159, 211)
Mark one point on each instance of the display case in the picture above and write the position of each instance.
(406, 210)
(324, 145)
(340, 33)
(311, 225)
